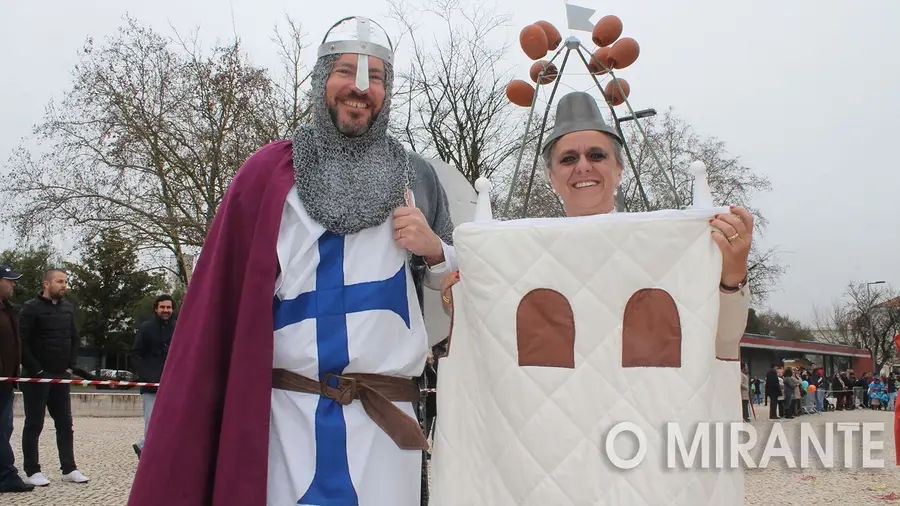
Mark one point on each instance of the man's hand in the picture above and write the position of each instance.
(412, 232)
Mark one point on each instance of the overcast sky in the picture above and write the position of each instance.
(807, 92)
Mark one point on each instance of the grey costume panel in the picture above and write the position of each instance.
(431, 197)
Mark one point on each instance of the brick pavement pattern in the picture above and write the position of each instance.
(103, 452)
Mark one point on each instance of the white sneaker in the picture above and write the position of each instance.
(75, 477)
(38, 480)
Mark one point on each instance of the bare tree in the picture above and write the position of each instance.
(771, 323)
(148, 139)
(453, 97)
(542, 199)
(674, 143)
(289, 106)
(864, 318)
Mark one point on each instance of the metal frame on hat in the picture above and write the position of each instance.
(363, 46)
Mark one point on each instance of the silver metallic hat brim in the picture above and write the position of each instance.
(581, 126)
(356, 47)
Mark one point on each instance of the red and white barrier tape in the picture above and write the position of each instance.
(78, 382)
(97, 382)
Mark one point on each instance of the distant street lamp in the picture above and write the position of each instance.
(872, 306)
(643, 113)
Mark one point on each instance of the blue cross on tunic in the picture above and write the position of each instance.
(329, 304)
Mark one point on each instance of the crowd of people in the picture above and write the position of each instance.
(39, 339)
(786, 390)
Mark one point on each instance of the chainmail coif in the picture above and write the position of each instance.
(348, 184)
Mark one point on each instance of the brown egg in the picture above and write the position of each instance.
(607, 30)
(600, 55)
(520, 93)
(553, 36)
(534, 41)
(548, 77)
(613, 94)
(624, 52)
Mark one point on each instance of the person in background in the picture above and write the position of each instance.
(789, 391)
(892, 391)
(149, 352)
(862, 383)
(773, 392)
(49, 350)
(781, 411)
(10, 358)
(837, 389)
(821, 383)
(745, 391)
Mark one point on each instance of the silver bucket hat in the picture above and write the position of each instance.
(577, 112)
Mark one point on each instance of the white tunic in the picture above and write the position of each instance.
(342, 304)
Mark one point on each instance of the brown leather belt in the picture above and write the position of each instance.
(376, 392)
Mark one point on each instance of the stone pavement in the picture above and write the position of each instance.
(103, 452)
(779, 485)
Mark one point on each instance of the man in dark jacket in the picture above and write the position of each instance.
(148, 354)
(10, 358)
(773, 391)
(49, 349)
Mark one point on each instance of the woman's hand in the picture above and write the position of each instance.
(733, 234)
(450, 279)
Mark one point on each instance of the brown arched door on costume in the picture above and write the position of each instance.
(651, 330)
(545, 330)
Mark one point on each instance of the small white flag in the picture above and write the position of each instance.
(579, 18)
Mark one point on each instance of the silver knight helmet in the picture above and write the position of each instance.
(362, 36)
(351, 174)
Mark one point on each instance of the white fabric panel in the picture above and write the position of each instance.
(510, 435)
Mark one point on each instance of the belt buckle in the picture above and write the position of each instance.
(347, 388)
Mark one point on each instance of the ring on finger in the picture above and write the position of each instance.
(732, 238)
(446, 299)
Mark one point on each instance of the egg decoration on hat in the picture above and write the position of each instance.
(549, 74)
(601, 55)
(553, 37)
(607, 30)
(614, 94)
(520, 93)
(534, 42)
(624, 52)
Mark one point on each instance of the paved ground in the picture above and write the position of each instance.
(857, 486)
(103, 450)
(103, 453)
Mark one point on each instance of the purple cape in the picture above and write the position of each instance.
(208, 441)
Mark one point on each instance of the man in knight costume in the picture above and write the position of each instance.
(292, 378)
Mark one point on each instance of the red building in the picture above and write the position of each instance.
(760, 352)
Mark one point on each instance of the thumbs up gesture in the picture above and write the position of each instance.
(412, 232)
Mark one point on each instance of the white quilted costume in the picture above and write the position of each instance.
(564, 328)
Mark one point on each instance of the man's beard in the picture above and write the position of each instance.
(350, 129)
